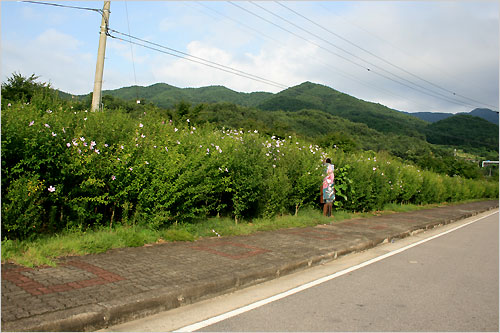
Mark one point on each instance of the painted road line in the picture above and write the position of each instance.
(227, 315)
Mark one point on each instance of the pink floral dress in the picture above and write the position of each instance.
(328, 183)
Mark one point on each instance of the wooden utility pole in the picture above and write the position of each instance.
(96, 96)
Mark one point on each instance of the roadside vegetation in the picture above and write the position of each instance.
(45, 250)
(75, 181)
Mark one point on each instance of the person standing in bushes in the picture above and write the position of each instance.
(327, 189)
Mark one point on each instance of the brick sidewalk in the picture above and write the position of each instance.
(93, 291)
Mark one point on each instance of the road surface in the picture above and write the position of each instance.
(445, 282)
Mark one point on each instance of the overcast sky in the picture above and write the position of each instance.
(439, 56)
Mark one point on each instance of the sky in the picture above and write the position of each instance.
(414, 56)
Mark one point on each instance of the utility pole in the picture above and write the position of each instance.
(96, 96)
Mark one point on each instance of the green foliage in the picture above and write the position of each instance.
(465, 131)
(64, 168)
(23, 208)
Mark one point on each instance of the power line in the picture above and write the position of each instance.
(335, 69)
(131, 52)
(260, 79)
(100, 11)
(331, 52)
(65, 6)
(380, 58)
(198, 60)
(427, 92)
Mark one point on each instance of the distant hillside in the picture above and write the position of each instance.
(431, 117)
(376, 116)
(317, 126)
(487, 114)
(286, 111)
(463, 130)
(166, 96)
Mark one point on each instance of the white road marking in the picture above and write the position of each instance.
(227, 315)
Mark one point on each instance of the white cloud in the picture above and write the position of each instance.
(277, 64)
(52, 55)
(451, 44)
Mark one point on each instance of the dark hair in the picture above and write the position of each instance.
(328, 160)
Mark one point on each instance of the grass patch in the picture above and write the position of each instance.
(46, 249)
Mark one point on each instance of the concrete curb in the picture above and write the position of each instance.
(104, 314)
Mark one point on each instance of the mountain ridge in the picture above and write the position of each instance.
(313, 96)
(486, 114)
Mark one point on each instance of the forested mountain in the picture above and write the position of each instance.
(320, 113)
(314, 96)
(304, 96)
(166, 96)
(487, 114)
(464, 131)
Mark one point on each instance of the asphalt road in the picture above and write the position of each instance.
(447, 284)
(439, 280)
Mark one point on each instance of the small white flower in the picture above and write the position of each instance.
(68, 144)
(51, 188)
(32, 123)
(141, 125)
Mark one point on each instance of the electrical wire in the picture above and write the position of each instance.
(331, 52)
(65, 6)
(196, 59)
(100, 11)
(380, 58)
(260, 79)
(424, 91)
(335, 70)
(132, 53)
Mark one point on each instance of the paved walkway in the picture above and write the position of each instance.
(91, 292)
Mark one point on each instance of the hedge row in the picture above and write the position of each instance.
(76, 169)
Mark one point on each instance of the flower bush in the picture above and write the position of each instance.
(65, 168)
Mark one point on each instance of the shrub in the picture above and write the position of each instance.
(111, 168)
